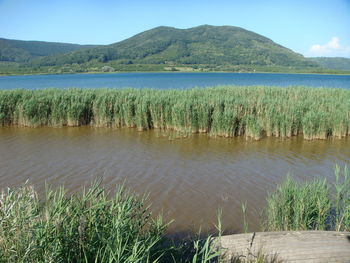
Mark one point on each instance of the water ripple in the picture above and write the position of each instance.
(188, 179)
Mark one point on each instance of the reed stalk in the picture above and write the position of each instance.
(253, 112)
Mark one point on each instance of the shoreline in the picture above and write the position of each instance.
(177, 72)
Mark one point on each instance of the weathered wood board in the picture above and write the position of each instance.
(288, 246)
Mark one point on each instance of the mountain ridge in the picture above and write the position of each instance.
(336, 63)
(163, 48)
(198, 45)
(22, 51)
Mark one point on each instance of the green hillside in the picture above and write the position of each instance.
(24, 51)
(337, 63)
(203, 45)
(202, 48)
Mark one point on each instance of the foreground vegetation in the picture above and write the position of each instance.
(96, 226)
(314, 205)
(253, 112)
(87, 227)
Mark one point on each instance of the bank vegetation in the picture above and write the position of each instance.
(228, 111)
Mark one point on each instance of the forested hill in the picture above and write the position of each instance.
(337, 63)
(202, 48)
(24, 51)
(203, 45)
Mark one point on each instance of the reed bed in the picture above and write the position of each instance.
(314, 205)
(228, 111)
(88, 227)
(80, 228)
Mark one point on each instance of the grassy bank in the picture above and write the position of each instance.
(87, 227)
(95, 226)
(253, 112)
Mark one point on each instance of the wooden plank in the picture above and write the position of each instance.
(288, 246)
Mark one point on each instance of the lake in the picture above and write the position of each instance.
(171, 80)
(188, 179)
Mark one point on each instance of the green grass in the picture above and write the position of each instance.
(314, 205)
(253, 112)
(91, 226)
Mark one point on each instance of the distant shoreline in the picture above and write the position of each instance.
(176, 72)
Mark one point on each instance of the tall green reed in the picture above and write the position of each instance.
(310, 205)
(253, 112)
(90, 227)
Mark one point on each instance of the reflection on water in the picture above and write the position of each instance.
(188, 179)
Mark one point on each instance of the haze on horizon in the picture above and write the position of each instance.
(312, 28)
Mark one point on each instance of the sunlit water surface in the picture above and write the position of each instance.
(188, 179)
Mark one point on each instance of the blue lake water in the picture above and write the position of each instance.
(171, 80)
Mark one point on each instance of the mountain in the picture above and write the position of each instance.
(202, 45)
(24, 51)
(337, 63)
(202, 48)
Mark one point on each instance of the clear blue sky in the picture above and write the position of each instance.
(312, 28)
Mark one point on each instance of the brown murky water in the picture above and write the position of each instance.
(188, 179)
